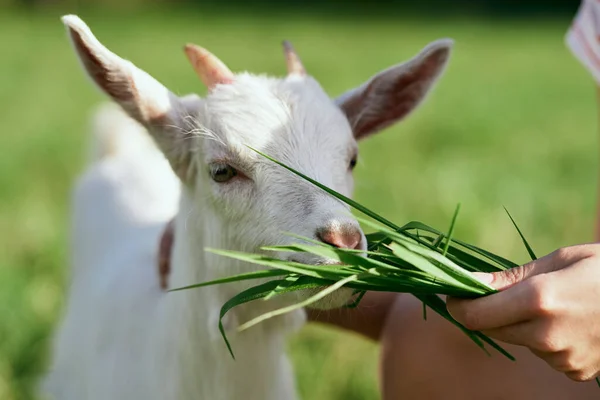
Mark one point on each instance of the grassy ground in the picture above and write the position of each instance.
(512, 123)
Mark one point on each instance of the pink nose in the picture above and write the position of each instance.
(343, 236)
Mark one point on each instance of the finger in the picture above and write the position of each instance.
(558, 360)
(534, 296)
(566, 362)
(536, 335)
(584, 375)
(501, 309)
(552, 262)
(502, 280)
(518, 334)
(537, 297)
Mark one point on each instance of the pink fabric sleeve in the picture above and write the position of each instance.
(583, 37)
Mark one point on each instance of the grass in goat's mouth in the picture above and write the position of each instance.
(413, 258)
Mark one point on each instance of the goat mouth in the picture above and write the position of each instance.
(314, 262)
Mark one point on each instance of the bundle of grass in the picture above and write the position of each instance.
(413, 258)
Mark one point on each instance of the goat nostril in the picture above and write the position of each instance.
(344, 238)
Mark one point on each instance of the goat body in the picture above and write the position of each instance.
(125, 338)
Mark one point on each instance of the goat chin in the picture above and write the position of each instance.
(337, 299)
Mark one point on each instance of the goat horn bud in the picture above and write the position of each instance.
(208, 67)
(294, 65)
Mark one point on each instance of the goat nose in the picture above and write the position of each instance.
(344, 236)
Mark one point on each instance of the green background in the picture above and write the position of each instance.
(512, 123)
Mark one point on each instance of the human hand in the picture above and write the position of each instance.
(551, 306)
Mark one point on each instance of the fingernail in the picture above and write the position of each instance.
(484, 277)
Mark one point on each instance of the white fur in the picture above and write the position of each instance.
(122, 337)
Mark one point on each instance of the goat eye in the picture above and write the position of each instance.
(222, 172)
(353, 163)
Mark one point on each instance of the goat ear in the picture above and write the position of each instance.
(141, 96)
(393, 93)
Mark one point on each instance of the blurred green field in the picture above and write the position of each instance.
(512, 123)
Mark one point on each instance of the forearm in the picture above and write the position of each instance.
(368, 319)
(597, 225)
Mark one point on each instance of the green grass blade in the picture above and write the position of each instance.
(290, 266)
(458, 272)
(344, 256)
(450, 268)
(527, 246)
(254, 293)
(439, 306)
(495, 345)
(451, 230)
(377, 237)
(357, 301)
(320, 295)
(285, 284)
(415, 225)
(441, 272)
(469, 261)
(268, 273)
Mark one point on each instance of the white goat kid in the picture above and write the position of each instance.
(123, 337)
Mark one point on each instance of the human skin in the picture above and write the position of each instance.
(432, 359)
(549, 306)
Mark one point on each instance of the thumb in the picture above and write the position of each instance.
(504, 279)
